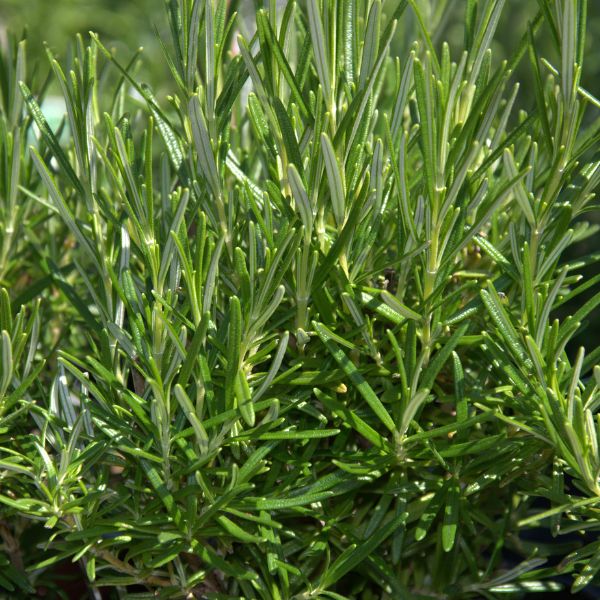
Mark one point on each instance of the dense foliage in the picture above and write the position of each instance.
(303, 327)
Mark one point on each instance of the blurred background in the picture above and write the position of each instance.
(130, 23)
(127, 25)
(133, 23)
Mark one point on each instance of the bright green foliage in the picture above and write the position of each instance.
(300, 329)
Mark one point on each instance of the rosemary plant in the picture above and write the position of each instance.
(303, 325)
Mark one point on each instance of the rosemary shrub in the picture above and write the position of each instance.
(303, 326)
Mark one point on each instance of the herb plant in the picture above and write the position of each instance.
(302, 327)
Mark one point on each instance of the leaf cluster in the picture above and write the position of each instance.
(294, 330)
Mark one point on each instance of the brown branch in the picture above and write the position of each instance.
(12, 546)
(124, 567)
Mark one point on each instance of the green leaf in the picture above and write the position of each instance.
(503, 323)
(442, 356)
(357, 553)
(336, 186)
(414, 404)
(63, 209)
(193, 350)
(244, 398)
(539, 91)
(400, 308)
(307, 434)
(451, 513)
(192, 417)
(353, 420)
(300, 196)
(371, 43)
(237, 532)
(520, 191)
(274, 368)
(317, 35)
(163, 492)
(288, 135)
(50, 138)
(283, 503)
(382, 309)
(431, 510)
(350, 40)
(202, 142)
(234, 341)
(584, 311)
(284, 66)
(459, 389)
(470, 22)
(365, 390)
(7, 363)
